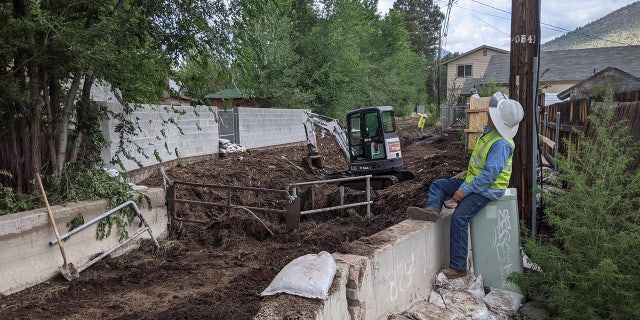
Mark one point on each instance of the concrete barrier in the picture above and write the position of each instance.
(385, 274)
(27, 258)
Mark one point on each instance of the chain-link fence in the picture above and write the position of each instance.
(453, 118)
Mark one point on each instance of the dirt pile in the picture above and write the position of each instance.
(216, 270)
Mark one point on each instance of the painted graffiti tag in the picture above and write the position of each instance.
(501, 240)
(401, 279)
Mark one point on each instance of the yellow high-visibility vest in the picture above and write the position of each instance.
(479, 159)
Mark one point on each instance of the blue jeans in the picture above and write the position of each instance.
(466, 209)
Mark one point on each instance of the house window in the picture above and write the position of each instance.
(484, 52)
(465, 71)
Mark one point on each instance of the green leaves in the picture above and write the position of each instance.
(589, 262)
(331, 56)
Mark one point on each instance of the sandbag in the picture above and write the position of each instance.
(308, 276)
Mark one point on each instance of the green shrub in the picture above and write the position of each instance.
(15, 202)
(589, 265)
(79, 183)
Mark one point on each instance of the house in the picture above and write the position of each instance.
(173, 97)
(230, 98)
(563, 69)
(620, 81)
(470, 65)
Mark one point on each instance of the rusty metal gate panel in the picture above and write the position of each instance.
(228, 125)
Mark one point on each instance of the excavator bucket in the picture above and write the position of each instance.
(313, 164)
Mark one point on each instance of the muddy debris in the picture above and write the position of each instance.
(217, 269)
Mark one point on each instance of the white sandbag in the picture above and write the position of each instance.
(503, 301)
(477, 287)
(436, 299)
(464, 303)
(309, 276)
(459, 283)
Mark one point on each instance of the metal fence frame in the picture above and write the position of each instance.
(453, 118)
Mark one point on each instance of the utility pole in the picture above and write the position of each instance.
(443, 34)
(438, 65)
(523, 75)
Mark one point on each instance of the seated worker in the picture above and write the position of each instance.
(485, 180)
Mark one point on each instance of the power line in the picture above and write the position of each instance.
(556, 27)
(487, 23)
(495, 16)
(490, 6)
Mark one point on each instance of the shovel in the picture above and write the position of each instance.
(68, 271)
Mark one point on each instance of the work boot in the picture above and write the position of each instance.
(453, 273)
(424, 214)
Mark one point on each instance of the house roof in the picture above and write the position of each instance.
(477, 49)
(609, 75)
(226, 94)
(568, 65)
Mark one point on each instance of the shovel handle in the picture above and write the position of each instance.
(53, 222)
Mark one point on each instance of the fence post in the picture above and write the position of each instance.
(557, 145)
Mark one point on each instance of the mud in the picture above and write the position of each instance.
(217, 269)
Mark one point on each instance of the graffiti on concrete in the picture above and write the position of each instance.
(501, 242)
(401, 277)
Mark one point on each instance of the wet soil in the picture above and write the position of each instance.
(217, 269)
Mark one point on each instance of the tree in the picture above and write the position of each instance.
(202, 73)
(266, 62)
(398, 73)
(422, 19)
(54, 51)
(588, 265)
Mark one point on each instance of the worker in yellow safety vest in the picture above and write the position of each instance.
(421, 122)
(485, 180)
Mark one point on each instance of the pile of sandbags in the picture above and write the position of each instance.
(227, 147)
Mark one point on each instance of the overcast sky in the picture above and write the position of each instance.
(488, 22)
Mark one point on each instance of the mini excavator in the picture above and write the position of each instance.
(369, 144)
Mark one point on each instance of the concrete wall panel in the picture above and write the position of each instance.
(260, 127)
(187, 132)
(388, 273)
(27, 258)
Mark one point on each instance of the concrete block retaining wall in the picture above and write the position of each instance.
(27, 258)
(195, 133)
(195, 136)
(270, 127)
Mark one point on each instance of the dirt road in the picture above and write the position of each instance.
(217, 270)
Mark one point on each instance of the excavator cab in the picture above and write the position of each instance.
(373, 141)
(369, 143)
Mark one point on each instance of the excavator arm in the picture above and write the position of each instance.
(326, 125)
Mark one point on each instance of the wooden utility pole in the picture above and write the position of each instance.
(525, 38)
(438, 66)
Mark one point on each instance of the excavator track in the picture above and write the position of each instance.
(377, 182)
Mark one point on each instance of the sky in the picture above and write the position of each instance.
(473, 23)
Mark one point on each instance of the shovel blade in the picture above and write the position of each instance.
(69, 272)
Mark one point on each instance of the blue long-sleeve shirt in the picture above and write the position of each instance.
(497, 157)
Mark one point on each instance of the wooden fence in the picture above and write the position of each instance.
(558, 122)
(477, 115)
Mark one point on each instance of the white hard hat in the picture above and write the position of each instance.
(506, 114)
